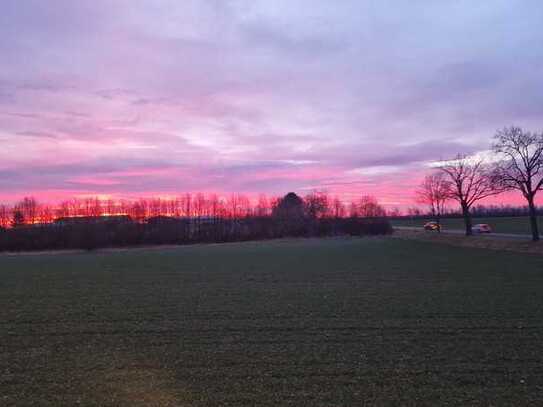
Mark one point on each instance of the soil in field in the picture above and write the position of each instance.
(335, 322)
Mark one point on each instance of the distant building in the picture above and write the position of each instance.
(84, 220)
(166, 220)
(33, 225)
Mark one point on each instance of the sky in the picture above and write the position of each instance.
(137, 98)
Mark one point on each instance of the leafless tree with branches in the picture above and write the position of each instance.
(5, 213)
(472, 179)
(434, 191)
(522, 166)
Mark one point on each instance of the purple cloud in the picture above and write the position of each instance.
(256, 96)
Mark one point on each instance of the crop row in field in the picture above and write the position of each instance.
(334, 322)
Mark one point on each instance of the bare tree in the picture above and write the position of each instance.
(75, 207)
(18, 219)
(434, 192)
(317, 204)
(95, 207)
(369, 207)
(262, 207)
(413, 212)
(234, 206)
(29, 208)
(187, 205)
(522, 166)
(63, 209)
(4, 216)
(214, 205)
(338, 208)
(138, 210)
(46, 214)
(394, 212)
(471, 180)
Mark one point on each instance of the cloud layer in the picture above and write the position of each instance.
(133, 98)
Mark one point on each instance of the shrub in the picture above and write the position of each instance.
(92, 235)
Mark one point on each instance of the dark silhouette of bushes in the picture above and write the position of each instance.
(366, 226)
(92, 235)
(290, 216)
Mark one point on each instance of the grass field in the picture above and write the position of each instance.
(337, 322)
(517, 225)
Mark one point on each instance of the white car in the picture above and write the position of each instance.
(481, 228)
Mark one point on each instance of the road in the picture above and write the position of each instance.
(461, 232)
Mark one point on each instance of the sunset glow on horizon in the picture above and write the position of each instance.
(136, 99)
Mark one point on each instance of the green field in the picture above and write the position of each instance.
(336, 322)
(517, 225)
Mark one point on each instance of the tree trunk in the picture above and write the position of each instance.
(533, 219)
(467, 219)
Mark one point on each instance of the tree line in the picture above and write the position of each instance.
(29, 212)
(88, 226)
(516, 165)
